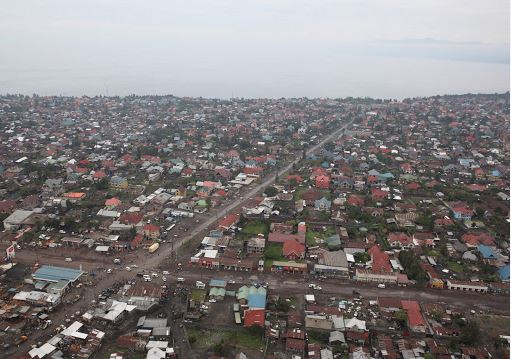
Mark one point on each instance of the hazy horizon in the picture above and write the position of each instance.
(255, 49)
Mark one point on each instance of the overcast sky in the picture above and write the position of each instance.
(274, 48)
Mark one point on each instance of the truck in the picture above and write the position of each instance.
(153, 248)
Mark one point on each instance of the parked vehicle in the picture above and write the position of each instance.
(147, 278)
(200, 285)
(381, 286)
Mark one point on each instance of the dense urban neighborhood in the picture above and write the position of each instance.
(163, 227)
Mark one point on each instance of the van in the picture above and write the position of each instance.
(69, 259)
(180, 280)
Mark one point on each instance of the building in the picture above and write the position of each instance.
(332, 264)
(290, 267)
(416, 321)
(365, 275)
(256, 245)
(152, 231)
(117, 182)
(17, 219)
(466, 286)
(253, 317)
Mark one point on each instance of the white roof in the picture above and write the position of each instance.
(354, 322)
(310, 298)
(210, 253)
(157, 344)
(72, 331)
(156, 353)
(42, 351)
(102, 248)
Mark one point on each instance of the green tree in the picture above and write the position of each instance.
(470, 333)
(271, 191)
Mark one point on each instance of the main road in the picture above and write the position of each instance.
(165, 252)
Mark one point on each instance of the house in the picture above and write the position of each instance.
(473, 239)
(293, 250)
(355, 200)
(7, 206)
(461, 210)
(504, 273)
(229, 222)
(117, 182)
(400, 240)
(487, 254)
(322, 182)
(253, 317)
(380, 261)
(322, 204)
(112, 203)
(152, 231)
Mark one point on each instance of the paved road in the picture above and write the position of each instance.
(166, 251)
(289, 284)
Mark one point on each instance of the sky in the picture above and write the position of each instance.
(266, 48)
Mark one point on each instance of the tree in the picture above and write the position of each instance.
(361, 257)
(271, 191)
(470, 333)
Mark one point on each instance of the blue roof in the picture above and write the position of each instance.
(218, 283)
(486, 252)
(55, 274)
(504, 273)
(256, 300)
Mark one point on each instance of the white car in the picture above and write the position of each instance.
(381, 286)
(147, 278)
(109, 270)
(232, 281)
(128, 269)
(165, 272)
(155, 275)
(164, 279)
(212, 300)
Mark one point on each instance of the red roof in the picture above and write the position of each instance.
(136, 241)
(229, 221)
(355, 200)
(112, 202)
(151, 228)
(131, 218)
(381, 261)
(475, 238)
(277, 237)
(254, 317)
(413, 310)
(252, 170)
(400, 237)
(291, 246)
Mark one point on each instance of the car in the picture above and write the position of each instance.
(381, 286)
(212, 300)
(147, 278)
(140, 275)
(128, 269)
(69, 259)
(165, 272)
(180, 280)
(117, 261)
(155, 275)
(109, 270)
(164, 279)
(232, 281)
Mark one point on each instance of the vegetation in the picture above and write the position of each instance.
(273, 252)
(412, 267)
